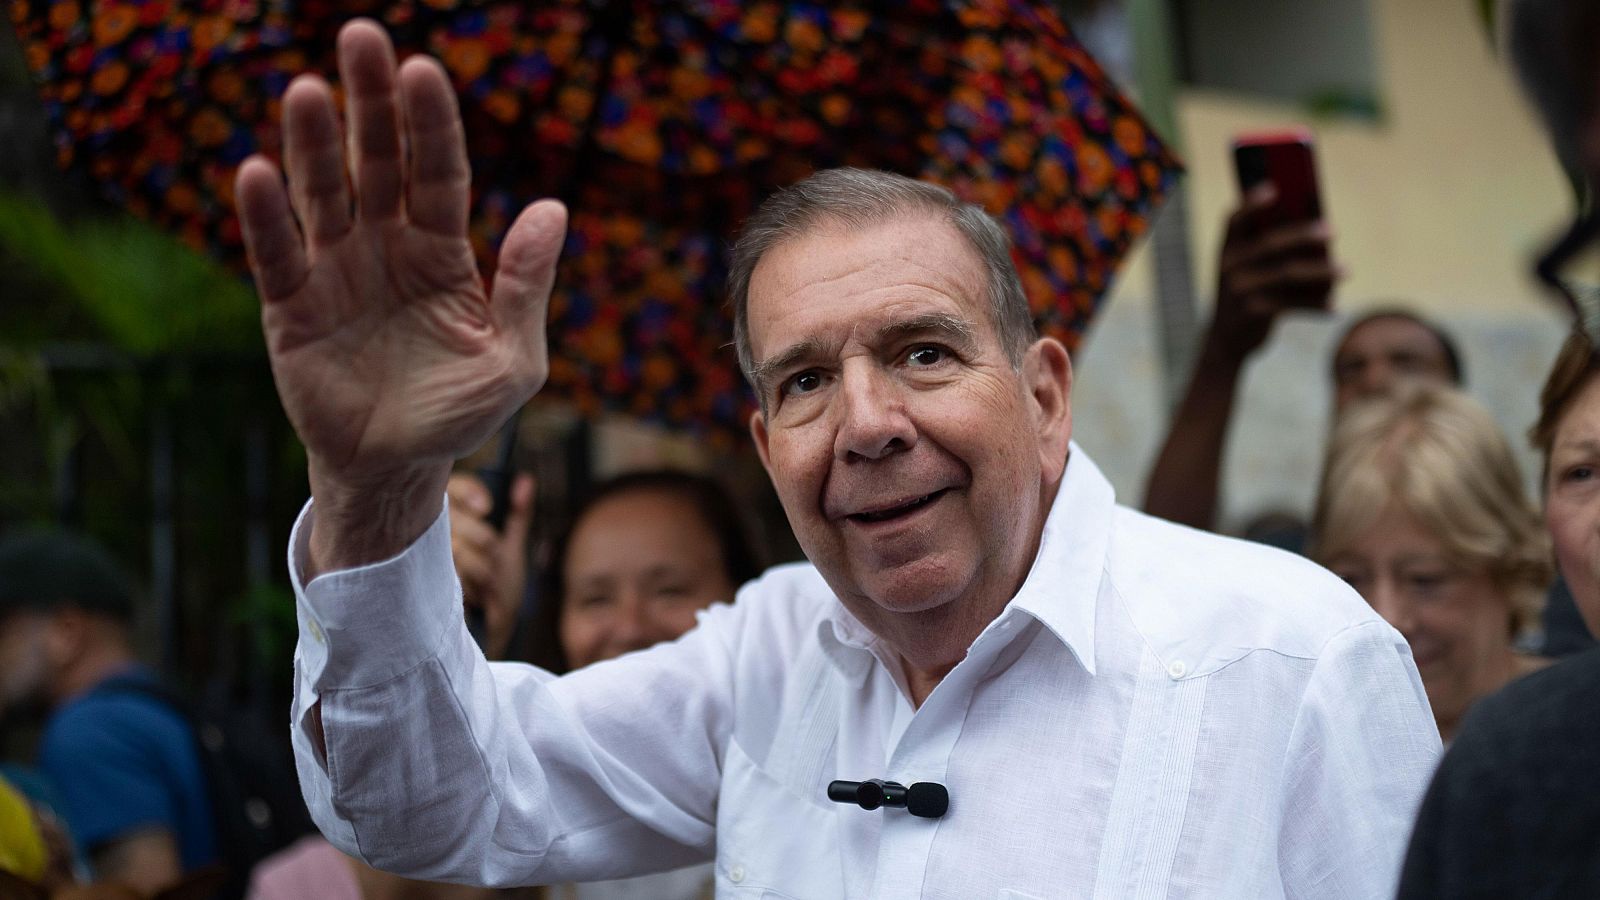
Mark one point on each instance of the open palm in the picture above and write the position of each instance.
(389, 354)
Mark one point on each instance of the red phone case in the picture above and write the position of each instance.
(1284, 158)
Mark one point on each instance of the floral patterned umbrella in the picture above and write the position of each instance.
(660, 124)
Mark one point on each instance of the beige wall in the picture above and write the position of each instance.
(1440, 204)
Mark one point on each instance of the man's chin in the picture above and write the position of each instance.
(902, 602)
(914, 587)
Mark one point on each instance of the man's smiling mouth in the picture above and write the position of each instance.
(897, 510)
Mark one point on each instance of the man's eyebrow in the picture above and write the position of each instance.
(953, 329)
(762, 372)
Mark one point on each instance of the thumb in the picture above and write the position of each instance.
(521, 296)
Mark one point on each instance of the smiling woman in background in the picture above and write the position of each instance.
(641, 557)
(644, 554)
(1422, 510)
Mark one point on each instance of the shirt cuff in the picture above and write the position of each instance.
(364, 626)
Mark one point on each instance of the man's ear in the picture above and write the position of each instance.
(1047, 376)
(758, 433)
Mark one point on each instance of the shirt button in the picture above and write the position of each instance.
(1177, 669)
(736, 874)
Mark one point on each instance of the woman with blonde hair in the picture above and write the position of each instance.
(1422, 510)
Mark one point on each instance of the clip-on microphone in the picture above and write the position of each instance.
(925, 799)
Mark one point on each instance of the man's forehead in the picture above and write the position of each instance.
(891, 260)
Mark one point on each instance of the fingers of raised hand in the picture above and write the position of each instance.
(314, 157)
(271, 238)
(440, 179)
(367, 70)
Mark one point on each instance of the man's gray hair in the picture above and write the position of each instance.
(1552, 43)
(856, 198)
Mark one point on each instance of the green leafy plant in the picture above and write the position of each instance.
(145, 292)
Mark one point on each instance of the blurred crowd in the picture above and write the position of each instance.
(126, 790)
(141, 788)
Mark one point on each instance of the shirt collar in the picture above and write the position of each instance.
(1061, 590)
(1063, 587)
(847, 643)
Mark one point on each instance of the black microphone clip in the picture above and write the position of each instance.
(925, 799)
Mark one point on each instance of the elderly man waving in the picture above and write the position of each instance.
(1117, 706)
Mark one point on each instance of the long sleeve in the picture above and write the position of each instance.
(420, 757)
(1358, 760)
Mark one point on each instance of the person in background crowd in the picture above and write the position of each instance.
(1515, 806)
(125, 765)
(1264, 270)
(641, 557)
(1387, 347)
(1422, 510)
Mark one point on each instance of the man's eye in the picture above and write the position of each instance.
(803, 383)
(926, 356)
(1579, 473)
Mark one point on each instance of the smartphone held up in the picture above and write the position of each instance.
(1286, 160)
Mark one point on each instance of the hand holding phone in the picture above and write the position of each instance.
(1276, 253)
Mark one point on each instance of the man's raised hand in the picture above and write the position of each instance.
(390, 357)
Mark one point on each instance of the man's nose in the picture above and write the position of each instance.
(873, 420)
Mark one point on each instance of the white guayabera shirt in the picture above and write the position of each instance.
(1158, 712)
